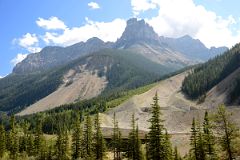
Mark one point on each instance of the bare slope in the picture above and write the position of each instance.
(177, 110)
(219, 93)
(77, 86)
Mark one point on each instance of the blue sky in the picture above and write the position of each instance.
(28, 26)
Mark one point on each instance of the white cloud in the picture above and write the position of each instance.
(93, 5)
(53, 23)
(107, 31)
(139, 6)
(28, 40)
(19, 58)
(1, 77)
(177, 18)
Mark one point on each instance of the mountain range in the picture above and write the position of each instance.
(96, 68)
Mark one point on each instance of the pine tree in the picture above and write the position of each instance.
(193, 140)
(167, 147)
(77, 140)
(132, 141)
(200, 144)
(208, 138)
(138, 151)
(39, 140)
(2, 141)
(30, 145)
(227, 129)
(24, 139)
(62, 145)
(88, 139)
(176, 155)
(13, 140)
(116, 140)
(156, 138)
(99, 140)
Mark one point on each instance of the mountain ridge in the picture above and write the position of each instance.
(136, 33)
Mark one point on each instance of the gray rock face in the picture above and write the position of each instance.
(54, 56)
(135, 32)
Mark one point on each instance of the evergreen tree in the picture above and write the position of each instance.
(88, 139)
(200, 144)
(208, 138)
(76, 140)
(2, 140)
(227, 129)
(176, 155)
(30, 145)
(193, 139)
(99, 140)
(167, 147)
(156, 138)
(132, 141)
(62, 145)
(39, 140)
(24, 139)
(138, 151)
(13, 140)
(116, 140)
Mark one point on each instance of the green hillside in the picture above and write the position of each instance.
(127, 71)
(207, 75)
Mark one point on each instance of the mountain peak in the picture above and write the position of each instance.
(94, 40)
(137, 31)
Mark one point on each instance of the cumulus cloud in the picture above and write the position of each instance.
(19, 58)
(177, 18)
(53, 23)
(107, 31)
(139, 6)
(93, 5)
(28, 40)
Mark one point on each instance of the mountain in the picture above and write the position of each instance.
(138, 37)
(192, 48)
(53, 56)
(103, 72)
(135, 32)
(218, 76)
(137, 58)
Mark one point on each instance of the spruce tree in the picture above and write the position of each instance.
(132, 141)
(30, 145)
(77, 140)
(13, 140)
(200, 144)
(39, 139)
(62, 145)
(208, 138)
(156, 138)
(2, 141)
(116, 139)
(193, 140)
(99, 140)
(88, 139)
(176, 155)
(138, 150)
(227, 129)
(167, 147)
